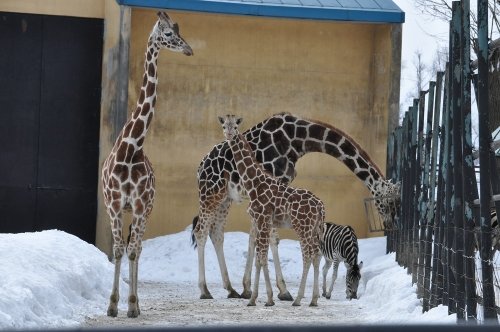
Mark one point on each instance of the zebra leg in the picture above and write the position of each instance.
(247, 277)
(326, 267)
(334, 277)
(284, 294)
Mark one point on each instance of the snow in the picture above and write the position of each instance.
(52, 279)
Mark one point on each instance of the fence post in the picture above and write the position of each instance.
(433, 216)
(412, 234)
(426, 232)
(470, 185)
(418, 212)
(484, 163)
(456, 161)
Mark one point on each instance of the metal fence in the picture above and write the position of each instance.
(443, 232)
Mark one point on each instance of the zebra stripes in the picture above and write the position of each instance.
(340, 244)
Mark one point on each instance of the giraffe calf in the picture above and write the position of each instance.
(273, 204)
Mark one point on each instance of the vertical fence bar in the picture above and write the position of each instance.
(449, 282)
(426, 231)
(484, 162)
(403, 239)
(434, 186)
(412, 261)
(470, 185)
(456, 162)
(417, 213)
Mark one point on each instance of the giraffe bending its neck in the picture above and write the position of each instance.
(274, 204)
(128, 181)
(278, 142)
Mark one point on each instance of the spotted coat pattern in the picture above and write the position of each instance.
(277, 142)
(274, 204)
(128, 181)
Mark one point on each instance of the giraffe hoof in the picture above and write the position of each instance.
(233, 295)
(112, 312)
(313, 304)
(328, 297)
(246, 295)
(285, 296)
(251, 304)
(133, 313)
(206, 297)
(296, 304)
(269, 304)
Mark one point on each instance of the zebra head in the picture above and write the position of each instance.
(352, 280)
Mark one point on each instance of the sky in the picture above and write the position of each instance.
(52, 279)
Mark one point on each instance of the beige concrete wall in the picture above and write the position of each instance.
(338, 73)
(78, 8)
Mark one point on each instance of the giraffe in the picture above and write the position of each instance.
(274, 204)
(128, 181)
(278, 142)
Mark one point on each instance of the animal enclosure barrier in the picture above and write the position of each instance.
(443, 231)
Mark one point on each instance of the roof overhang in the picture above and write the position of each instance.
(366, 11)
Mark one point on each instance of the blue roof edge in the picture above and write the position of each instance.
(273, 10)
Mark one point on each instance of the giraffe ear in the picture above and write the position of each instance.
(239, 120)
(164, 17)
(221, 119)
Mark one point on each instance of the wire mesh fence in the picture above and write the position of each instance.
(445, 232)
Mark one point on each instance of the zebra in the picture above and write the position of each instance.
(339, 243)
(495, 232)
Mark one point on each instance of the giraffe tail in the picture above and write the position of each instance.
(193, 238)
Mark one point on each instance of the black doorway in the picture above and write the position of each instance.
(50, 95)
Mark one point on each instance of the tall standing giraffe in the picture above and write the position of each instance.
(128, 181)
(274, 204)
(278, 142)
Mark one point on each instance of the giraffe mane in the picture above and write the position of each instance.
(361, 151)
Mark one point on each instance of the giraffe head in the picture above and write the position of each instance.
(230, 125)
(387, 201)
(166, 35)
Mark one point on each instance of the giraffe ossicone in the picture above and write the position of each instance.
(277, 142)
(274, 204)
(127, 177)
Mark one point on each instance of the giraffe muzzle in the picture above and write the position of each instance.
(187, 50)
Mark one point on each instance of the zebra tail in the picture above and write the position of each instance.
(193, 238)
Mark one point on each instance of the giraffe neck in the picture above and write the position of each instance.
(137, 126)
(246, 164)
(301, 136)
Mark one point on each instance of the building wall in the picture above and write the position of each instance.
(339, 73)
(78, 8)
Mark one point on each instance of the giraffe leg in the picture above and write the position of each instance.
(247, 292)
(217, 237)
(118, 250)
(284, 294)
(326, 267)
(315, 296)
(255, 291)
(305, 270)
(134, 249)
(201, 235)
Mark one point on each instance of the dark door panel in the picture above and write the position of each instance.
(50, 83)
(57, 210)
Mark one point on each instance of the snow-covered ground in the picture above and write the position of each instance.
(52, 279)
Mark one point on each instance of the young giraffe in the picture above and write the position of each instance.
(128, 181)
(274, 204)
(278, 142)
